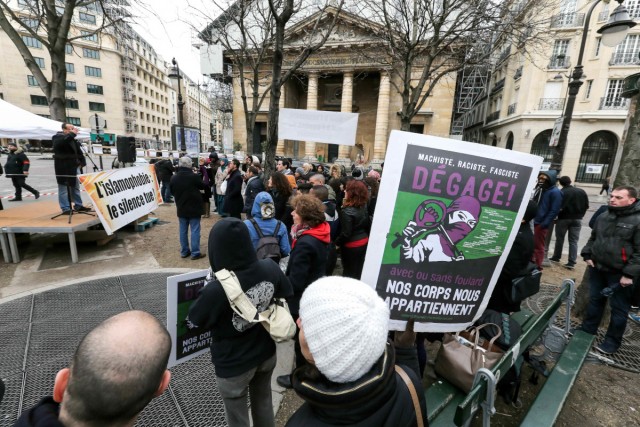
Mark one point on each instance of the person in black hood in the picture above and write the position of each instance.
(243, 353)
(17, 168)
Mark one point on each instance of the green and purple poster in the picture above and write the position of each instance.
(447, 214)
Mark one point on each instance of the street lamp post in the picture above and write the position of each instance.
(175, 76)
(613, 32)
(198, 85)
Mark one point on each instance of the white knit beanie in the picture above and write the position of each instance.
(345, 324)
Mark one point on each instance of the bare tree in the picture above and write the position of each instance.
(252, 33)
(52, 24)
(426, 41)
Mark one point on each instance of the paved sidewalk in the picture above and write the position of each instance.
(40, 332)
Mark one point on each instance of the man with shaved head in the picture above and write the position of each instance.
(116, 370)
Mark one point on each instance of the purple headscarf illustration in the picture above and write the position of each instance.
(445, 227)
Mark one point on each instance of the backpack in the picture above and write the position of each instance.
(268, 246)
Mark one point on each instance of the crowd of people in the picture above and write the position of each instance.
(297, 222)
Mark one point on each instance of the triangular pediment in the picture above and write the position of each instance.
(349, 29)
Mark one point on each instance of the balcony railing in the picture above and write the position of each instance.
(608, 103)
(518, 73)
(504, 55)
(551, 104)
(512, 108)
(557, 62)
(567, 20)
(498, 86)
(624, 58)
(493, 116)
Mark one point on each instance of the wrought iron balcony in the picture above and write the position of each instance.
(610, 103)
(512, 108)
(504, 55)
(493, 116)
(567, 20)
(624, 58)
(551, 104)
(518, 73)
(498, 86)
(557, 62)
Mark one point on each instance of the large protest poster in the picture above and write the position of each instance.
(447, 214)
(121, 196)
(182, 291)
(330, 127)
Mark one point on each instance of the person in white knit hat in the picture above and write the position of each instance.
(351, 378)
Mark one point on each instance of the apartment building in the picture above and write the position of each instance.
(197, 110)
(526, 95)
(93, 83)
(121, 78)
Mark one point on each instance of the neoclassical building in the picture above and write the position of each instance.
(345, 75)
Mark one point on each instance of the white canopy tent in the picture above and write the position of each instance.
(18, 123)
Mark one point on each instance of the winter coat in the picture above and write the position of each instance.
(233, 202)
(307, 262)
(67, 158)
(518, 258)
(549, 203)
(165, 170)
(614, 245)
(44, 414)
(236, 345)
(17, 163)
(575, 203)
(267, 226)
(221, 175)
(354, 225)
(254, 186)
(380, 398)
(187, 189)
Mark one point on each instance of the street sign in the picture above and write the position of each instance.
(97, 123)
(555, 134)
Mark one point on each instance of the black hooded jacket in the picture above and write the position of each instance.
(67, 158)
(614, 245)
(237, 346)
(380, 398)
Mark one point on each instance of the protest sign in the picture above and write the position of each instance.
(121, 196)
(447, 214)
(318, 126)
(182, 291)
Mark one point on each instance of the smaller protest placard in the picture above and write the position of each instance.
(318, 126)
(446, 217)
(121, 196)
(182, 291)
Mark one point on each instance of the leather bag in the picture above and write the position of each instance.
(526, 283)
(459, 359)
(276, 319)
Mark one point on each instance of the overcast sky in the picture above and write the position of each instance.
(168, 26)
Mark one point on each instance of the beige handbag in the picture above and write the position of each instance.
(276, 319)
(459, 359)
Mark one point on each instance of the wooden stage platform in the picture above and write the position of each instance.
(36, 218)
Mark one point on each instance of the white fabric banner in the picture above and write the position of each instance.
(19, 123)
(318, 126)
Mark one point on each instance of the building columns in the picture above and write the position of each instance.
(312, 104)
(346, 106)
(280, 144)
(382, 120)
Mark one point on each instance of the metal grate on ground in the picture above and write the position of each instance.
(628, 355)
(39, 334)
